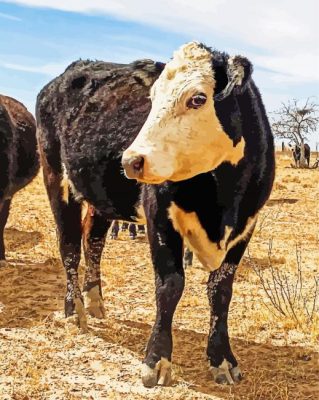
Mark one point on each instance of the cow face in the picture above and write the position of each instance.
(182, 136)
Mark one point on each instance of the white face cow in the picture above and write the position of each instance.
(182, 136)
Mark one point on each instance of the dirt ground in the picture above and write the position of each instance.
(42, 356)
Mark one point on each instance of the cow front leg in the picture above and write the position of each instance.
(4, 213)
(222, 361)
(167, 253)
(94, 228)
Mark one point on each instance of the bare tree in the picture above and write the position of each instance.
(296, 122)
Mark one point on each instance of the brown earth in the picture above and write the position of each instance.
(44, 357)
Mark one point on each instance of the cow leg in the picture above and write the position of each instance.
(141, 229)
(95, 228)
(167, 253)
(222, 361)
(188, 258)
(67, 215)
(132, 231)
(115, 230)
(124, 226)
(4, 213)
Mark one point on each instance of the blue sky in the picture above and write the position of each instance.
(39, 38)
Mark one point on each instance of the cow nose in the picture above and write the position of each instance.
(133, 166)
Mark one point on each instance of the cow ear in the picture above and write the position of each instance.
(159, 66)
(237, 73)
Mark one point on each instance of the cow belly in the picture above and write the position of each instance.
(210, 254)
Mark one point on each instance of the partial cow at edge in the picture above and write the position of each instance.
(19, 161)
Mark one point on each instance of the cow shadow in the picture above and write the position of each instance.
(30, 292)
(273, 202)
(269, 371)
(16, 239)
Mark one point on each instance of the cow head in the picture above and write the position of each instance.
(182, 136)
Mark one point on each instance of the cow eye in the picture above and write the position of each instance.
(197, 100)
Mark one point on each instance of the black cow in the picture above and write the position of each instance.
(19, 162)
(86, 118)
(296, 152)
(212, 172)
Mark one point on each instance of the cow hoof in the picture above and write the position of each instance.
(79, 318)
(236, 374)
(225, 374)
(94, 303)
(160, 375)
(4, 264)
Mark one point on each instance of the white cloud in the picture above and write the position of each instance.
(9, 16)
(51, 69)
(285, 32)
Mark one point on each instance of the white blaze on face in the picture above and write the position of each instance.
(178, 142)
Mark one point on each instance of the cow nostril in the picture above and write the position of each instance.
(138, 164)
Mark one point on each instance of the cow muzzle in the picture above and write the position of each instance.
(133, 165)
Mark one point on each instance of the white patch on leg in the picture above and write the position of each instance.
(94, 303)
(160, 375)
(80, 312)
(65, 185)
(222, 374)
(236, 374)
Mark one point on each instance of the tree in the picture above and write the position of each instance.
(296, 122)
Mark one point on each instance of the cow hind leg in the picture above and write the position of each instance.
(4, 213)
(95, 228)
(222, 361)
(67, 215)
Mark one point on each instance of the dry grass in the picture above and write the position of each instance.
(44, 357)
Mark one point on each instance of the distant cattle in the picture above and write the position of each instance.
(203, 157)
(19, 161)
(296, 152)
(126, 226)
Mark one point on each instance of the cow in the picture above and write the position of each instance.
(205, 156)
(19, 161)
(200, 163)
(296, 153)
(86, 118)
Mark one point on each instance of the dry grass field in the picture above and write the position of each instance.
(44, 357)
